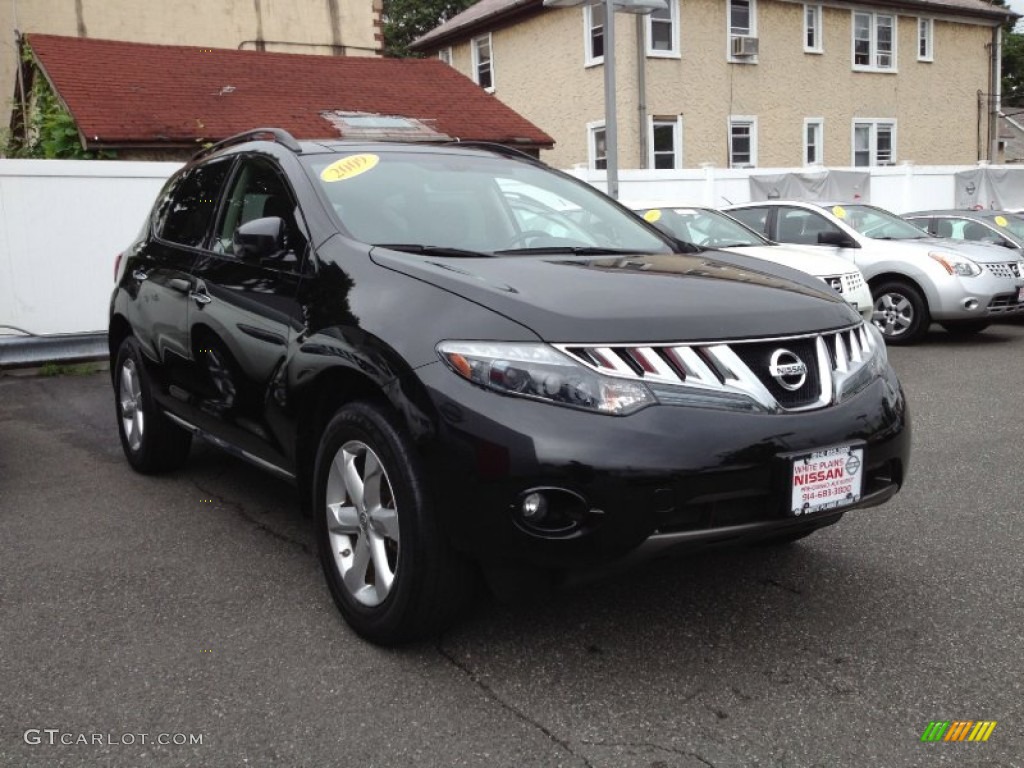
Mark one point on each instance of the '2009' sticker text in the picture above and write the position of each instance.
(349, 167)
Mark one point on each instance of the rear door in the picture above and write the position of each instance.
(243, 313)
(160, 281)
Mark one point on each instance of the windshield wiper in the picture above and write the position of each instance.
(433, 250)
(575, 250)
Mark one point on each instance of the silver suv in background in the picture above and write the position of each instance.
(914, 278)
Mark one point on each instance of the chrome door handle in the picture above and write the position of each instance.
(200, 298)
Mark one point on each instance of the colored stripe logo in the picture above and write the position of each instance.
(958, 730)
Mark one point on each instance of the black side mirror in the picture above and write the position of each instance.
(840, 239)
(259, 239)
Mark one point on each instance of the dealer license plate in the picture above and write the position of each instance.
(826, 479)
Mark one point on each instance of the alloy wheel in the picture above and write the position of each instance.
(362, 523)
(132, 417)
(893, 314)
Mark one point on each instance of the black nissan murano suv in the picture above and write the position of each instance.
(470, 363)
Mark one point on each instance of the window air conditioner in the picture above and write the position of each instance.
(744, 46)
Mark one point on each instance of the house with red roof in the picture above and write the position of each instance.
(145, 101)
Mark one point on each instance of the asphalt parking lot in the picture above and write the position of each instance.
(192, 605)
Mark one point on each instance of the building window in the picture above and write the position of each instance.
(597, 147)
(593, 34)
(925, 36)
(874, 41)
(663, 31)
(483, 63)
(874, 142)
(445, 55)
(812, 29)
(665, 140)
(741, 17)
(814, 148)
(742, 142)
(742, 37)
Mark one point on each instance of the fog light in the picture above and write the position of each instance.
(535, 507)
(971, 304)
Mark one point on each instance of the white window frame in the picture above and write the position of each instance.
(873, 124)
(592, 130)
(677, 139)
(588, 25)
(819, 124)
(873, 51)
(926, 35)
(751, 121)
(490, 60)
(815, 25)
(729, 35)
(445, 55)
(673, 52)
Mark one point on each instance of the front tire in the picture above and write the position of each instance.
(900, 312)
(390, 570)
(152, 443)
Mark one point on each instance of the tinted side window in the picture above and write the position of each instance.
(185, 213)
(796, 225)
(755, 218)
(258, 191)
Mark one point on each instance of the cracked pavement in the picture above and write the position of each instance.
(193, 603)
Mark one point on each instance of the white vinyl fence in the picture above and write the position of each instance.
(900, 188)
(63, 222)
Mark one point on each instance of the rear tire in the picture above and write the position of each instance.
(900, 312)
(966, 327)
(152, 443)
(391, 571)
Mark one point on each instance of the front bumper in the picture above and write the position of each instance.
(986, 296)
(665, 476)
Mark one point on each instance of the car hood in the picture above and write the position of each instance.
(813, 262)
(622, 299)
(983, 253)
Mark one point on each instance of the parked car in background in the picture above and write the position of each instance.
(914, 278)
(709, 228)
(460, 381)
(1004, 228)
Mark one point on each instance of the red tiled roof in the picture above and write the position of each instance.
(133, 94)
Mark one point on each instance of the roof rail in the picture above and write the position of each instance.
(493, 146)
(280, 135)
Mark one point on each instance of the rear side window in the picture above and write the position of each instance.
(796, 225)
(755, 218)
(186, 210)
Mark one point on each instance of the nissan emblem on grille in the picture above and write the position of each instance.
(787, 369)
(837, 284)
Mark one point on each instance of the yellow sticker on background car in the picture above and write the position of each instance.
(1001, 221)
(838, 211)
(652, 215)
(349, 167)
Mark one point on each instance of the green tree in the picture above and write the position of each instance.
(405, 20)
(1013, 69)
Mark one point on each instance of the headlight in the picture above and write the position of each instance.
(539, 372)
(956, 264)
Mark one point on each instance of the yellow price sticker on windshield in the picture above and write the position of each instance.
(838, 211)
(1001, 221)
(349, 167)
(652, 215)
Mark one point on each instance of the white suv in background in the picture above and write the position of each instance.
(709, 228)
(914, 278)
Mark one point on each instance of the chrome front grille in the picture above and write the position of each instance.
(1010, 269)
(763, 370)
(847, 283)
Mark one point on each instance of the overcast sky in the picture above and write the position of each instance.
(1017, 6)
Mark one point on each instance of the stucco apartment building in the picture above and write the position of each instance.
(340, 27)
(742, 83)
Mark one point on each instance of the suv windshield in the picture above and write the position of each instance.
(709, 229)
(876, 223)
(466, 204)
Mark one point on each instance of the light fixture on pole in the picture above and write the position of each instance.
(611, 7)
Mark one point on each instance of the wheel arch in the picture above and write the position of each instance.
(118, 330)
(900, 277)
